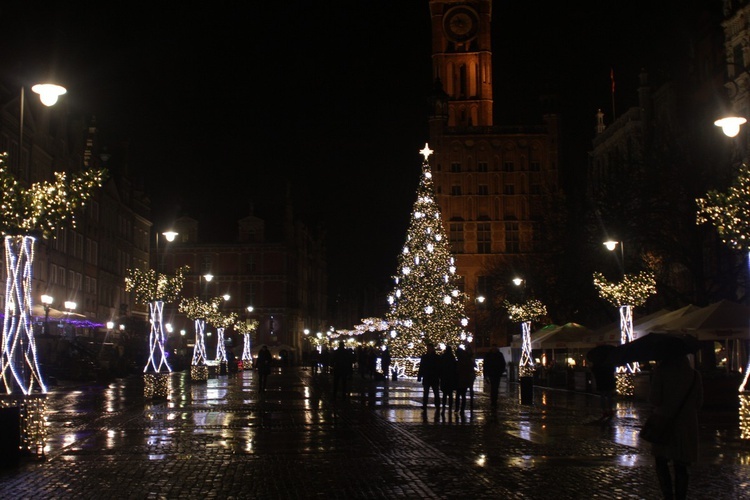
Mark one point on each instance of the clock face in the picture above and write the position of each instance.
(461, 24)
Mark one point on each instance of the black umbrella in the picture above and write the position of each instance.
(655, 347)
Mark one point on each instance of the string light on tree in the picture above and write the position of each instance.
(632, 291)
(729, 213)
(198, 310)
(526, 313)
(155, 289)
(246, 328)
(425, 304)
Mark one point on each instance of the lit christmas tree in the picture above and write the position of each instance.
(426, 304)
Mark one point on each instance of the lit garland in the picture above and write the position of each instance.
(44, 206)
(149, 285)
(426, 304)
(221, 322)
(155, 289)
(198, 310)
(246, 329)
(729, 212)
(525, 313)
(633, 290)
(24, 212)
(531, 310)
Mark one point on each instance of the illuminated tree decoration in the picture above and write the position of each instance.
(221, 322)
(155, 289)
(730, 214)
(425, 304)
(25, 214)
(246, 329)
(526, 313)
(198, 310)
(632, 291)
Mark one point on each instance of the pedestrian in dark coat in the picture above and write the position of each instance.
(342, 361)
(606, 386)
(466, 377)
(385, 363)
(264, 367)
(429, 375)
(448, 377)
(677, 392)
(494, 367)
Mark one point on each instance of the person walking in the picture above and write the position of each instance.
(494, 367)
(264, 367)
(385, 363)
(676, 392)
(606, 386)
(465, 378)
(429, 375)
(448, 377)
(342, 360)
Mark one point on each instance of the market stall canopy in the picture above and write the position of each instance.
(641, 326)
(536, 336)
(721, 320)
(567, 336)
(654, 347)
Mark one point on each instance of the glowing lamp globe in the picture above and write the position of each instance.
(730, 125)
(48, 92)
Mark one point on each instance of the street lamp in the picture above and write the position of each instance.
(48, 94)
(730, 125)
(170, 237)
(611, 245)
(47, 303)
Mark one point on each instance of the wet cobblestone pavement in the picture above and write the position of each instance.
(222, 439)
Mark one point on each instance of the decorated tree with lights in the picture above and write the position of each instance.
(526, 313)
(246, 329)
(632, 291)
(155, 289)
(730, 214)
(221, 321)
(426, 305)
(26, 214)
(198, 310)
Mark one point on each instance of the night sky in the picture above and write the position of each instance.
(225, 104)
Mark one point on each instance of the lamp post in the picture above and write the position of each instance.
(69, 307)
(48, 94)
(611, 245)
(47, 301)
(207, 278)
(170, 237)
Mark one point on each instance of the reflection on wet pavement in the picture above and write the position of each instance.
(222, 438)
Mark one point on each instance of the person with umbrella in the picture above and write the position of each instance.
(603, 370)
(677, 393)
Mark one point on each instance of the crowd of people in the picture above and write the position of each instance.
(450, 377)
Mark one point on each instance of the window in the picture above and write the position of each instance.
(61, 276)
(484, 237)
(53, 274)
(484, 288)
(483, 189)
(456, 190)
(250, 294)
(71, 279)
(511, 237)
(455, 167)
(92, 250)
(60, 239)
(482, 166)
(206, 262)
(509, 189)
(250, 264)
(508, 166)
(78, 250)
(535, 166)
(457, 237)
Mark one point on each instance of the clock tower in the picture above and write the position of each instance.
(462, 59)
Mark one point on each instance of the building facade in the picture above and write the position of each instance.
(274, 272)
(491, 182)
